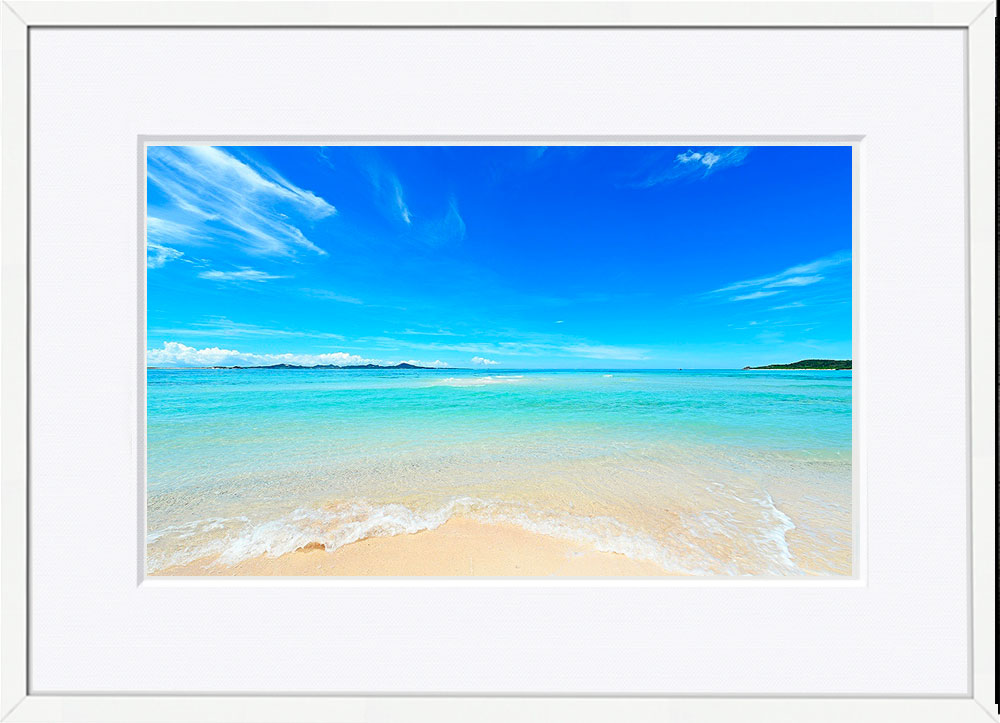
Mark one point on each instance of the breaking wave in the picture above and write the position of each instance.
(702, 544)
(477, 381)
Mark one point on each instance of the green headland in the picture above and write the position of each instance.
(810, 364)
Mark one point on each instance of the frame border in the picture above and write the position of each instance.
(17, 17)
(859, 484)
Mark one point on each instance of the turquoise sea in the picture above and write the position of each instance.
(703, 472)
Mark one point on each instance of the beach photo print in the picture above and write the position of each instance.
(499, 360)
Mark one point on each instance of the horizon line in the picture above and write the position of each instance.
(508, 369)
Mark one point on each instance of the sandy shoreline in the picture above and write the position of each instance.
(459, 547)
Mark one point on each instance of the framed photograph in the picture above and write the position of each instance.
(492, 360)
(414, 403)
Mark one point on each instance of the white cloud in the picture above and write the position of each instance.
(218, 198)
(161, 230)
(333, 296)
(424, 332)
(390, 196)
(176, 354)
(222, 327)
(480, 361)
(754, 295)
(560, 321)
(243, 274)
(800, 275)
(157, 255)
(792, 305)
(692, 157)
(404, 212)
(450, 228)
(794, 281)
(692, 165)
(841, 257)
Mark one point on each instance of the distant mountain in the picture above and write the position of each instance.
(401, 365)
(813, 364)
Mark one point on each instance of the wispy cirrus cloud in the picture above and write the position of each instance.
(754, 295)
(690, 165)
(224, 328)
(176, 354)
(244, 273)
(160, 230)
(390, 197)
(450, 228)
(425, 332)
(797, 276)
(216, 198)
(336, 296)
(794, 281)
(158, 255)
(401, 207)
(535, 153)
(333, 296)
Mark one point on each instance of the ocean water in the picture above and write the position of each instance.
(700, 472)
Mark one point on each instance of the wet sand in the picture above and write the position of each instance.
(459, 547)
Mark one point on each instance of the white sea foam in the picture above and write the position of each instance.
(189, 529)
(767, 526)
(476, 381)
(330, 528)
(231, 540)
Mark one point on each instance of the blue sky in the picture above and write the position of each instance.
(505, 257)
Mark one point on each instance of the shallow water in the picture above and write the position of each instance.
(701, 472)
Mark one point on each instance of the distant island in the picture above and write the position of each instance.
(401, 365)
(811, 364)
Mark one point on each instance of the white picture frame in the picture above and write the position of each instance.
(977, 19)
